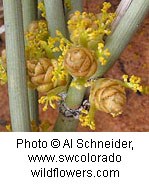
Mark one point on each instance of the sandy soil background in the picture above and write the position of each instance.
(133, 60)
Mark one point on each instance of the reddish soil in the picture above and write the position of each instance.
(133, 60)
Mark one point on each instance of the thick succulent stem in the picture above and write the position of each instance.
(29, 15)
(116, 43)
(16, 70)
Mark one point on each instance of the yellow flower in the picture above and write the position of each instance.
(37, 32)
(102, 54)
(41, 7)
(59, 73)
(86, 120)
(3, 74)
(88, 29)
(133, 83)
(49, 100)
(106, 6)
(8, 127)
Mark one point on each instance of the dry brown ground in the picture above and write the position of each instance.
(133, 60)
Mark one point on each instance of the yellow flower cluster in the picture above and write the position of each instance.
(133, 83)
(41, 7)
(106, 17)
(59, 73)
(86, 120)
(88, 29)
(59, 44)
(49, 100)
(64, 44)
(37, 32)
(52, 44)
(3, 74)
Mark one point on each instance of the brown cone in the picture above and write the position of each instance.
(40, 74)
(108, 96)
(80, 62)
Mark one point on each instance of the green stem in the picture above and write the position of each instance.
(17, 85)
(29, 15)
(116, 43)
(120, 12)
(76, 5)
(122, 34)
(55, 16)
(29, 12)
(74, 97)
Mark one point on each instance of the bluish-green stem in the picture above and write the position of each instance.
(123, 33)
(55, 16)
(30, 14)
(16, 68)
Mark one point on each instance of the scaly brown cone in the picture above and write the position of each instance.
(40, 74)
(108, 96)
(80, 62)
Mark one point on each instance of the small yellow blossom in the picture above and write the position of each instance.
(88, 29)
(9, 128)
(49, 100)
(106, 7)
(37, 32)
(41, 7)
(59, 73)
(102, 54)
(3, 74)
(133, 83)
(86, 120)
